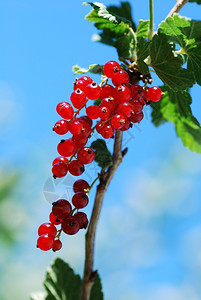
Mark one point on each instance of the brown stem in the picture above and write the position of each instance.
(177, 7)
(89, 275)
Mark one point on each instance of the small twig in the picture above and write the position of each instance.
(178, 6)
(151, 23)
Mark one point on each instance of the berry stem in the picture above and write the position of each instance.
(135, 46)
(89, 275)
(151, 23)
(178, 6)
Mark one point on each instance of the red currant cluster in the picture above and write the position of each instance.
(119, 106)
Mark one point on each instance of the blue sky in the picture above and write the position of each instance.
(149, 234)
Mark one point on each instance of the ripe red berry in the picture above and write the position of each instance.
(82, 219)
(70, 225)
(60, 159)
(86, 128)
(136, 118)
(126, 126)
(75, 127)
(57, 245)
(61, 209)
(79, 84)
(45, 242)
(137, 92)
(65, 110)
(92, 112)
(99, 126)
(53, 219)
(154, 93)
(47, 228)
(60, 169)
(93, 91)
(86, 79)
(86, 119)
(120, 78)
(109, 103)
(107, 131)
(61, 127)
(78, 98)
(137, 106)
(66, 147)
(124, 109)
(118, 121)
(106, 91)
(122, 94)
(85, 155)
(110, 68)
(80, 140)
(80, 186)
(76, 168)
(80, 200)
(104, 113)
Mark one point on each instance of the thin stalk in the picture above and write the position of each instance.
(151, 23)
(178, 6)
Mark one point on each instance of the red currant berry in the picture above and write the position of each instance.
(80, 140)
(80, 186)
(106, 91)
(126, 126)
(60, 159)
(86, 79)
(85, 155)
(118, 121)
(78, 98)
(99, 126)
(110, 68)
(86, 128)
(75, 127)
(107, 131)
(66, 147)
(61, 209)
(92, 112)
(86, 119)
(109, 103)
(124, 109)
(104, 113)
(82, 219)
(122, 94)
(59, 169)
(53, 219)
(61, 127)
(47, 228)
(79, 84)
(93, 91)
(137, 106)
(65, 110)
(57, 245)
(80, 200)
(45, 242)
(137, 92)
(120, 78)
(136, 118)
(76, 168)
(70, 225)
(154, 93)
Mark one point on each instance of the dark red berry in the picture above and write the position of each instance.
(154, 93)
(65, 110)
(137, 106)
(86, 119)
(80, 200)
(136, 118)
(53, 219)
(70, 225)
(61, 209)
(85, 155)
(60, 169)
(82, 219)
(137, 92)
(76, 168)
(80, 140)
(110, 68)
(126, 126)
(80, 186)
(45, 242)
(57, 245)
(78, 98)
(47, 228)
(61, 127)
(124, 109)
(66, 147)
(120, 78)
(93, 91)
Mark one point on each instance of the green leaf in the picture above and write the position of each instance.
(142, 53)
(102, 155)
(197, 1)
(103, 19)
(61, 282)
(167, 65)
(125, 45)
(175, 107)
(94, 69)
(96, 291)
(142, 29)
(187, 34)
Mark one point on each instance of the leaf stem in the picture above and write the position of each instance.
(135, 46)
(178, 6)
(151, 23)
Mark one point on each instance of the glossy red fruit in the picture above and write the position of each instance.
(109, 103)
(47, 228)
(79, 84)
(118, 121)
(57, 245)
(60, 159)
(110, 68)
(76, 168)
(80, 186)
(137, 106)
(126, 126)
(60, 169)
(75, 127)
(45, 242)
(80, 140)
(66, 147)
(85, 155)
(107, 131)
(80, 200)
(61, 127)
(92, 112)
(106, 91)
(125, 109)
(78, 98)
(86, 119)
(136, 118)
(65, 110)
(120, 78)
(99, 126)
(154, 93)
(86, 79)
(82, 219)
(86, 128)
(70, 225)
(137, 92)
(93, 91)
(61, 209)
(122, 94)
(104, 113)
(53, 219)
